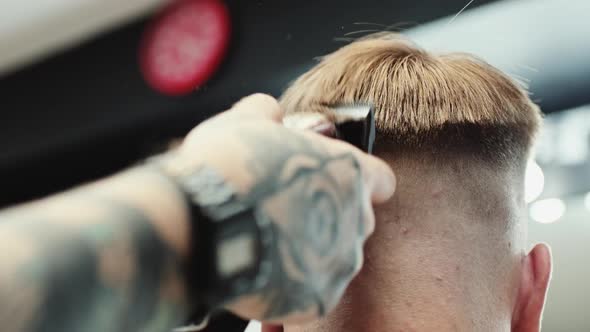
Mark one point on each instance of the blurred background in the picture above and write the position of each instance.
(559, 213)
(74, 104)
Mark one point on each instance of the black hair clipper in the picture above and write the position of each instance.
(353, 123)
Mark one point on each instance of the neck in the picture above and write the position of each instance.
(440, 257)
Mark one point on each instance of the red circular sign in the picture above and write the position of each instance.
(184, 46)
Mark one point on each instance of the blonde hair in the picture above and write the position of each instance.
(423, 101)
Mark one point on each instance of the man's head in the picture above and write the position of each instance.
(448, 253)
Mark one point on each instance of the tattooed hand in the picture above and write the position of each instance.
(316, 192)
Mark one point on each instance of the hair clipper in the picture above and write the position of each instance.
(353, 123)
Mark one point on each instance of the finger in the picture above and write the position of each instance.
(314, 121)
(359, 259)
(368, 219)
(367, 230)
(377, 175)
(256, 106)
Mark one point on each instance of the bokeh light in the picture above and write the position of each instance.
(547, 211)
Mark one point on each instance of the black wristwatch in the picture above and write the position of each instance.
(229, 237)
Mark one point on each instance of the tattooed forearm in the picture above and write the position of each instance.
(109, 270)
(116, 263)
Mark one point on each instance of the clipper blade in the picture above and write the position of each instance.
(355, 124)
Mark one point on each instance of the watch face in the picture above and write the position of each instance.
(229, 239)
(235, 254)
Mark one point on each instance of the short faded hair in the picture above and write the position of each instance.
(424, 102)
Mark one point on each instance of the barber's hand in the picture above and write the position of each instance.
(316, 191)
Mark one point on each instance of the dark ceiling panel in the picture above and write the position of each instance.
(87, 112)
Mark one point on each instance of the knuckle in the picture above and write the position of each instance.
(264, 99)
(349, 264)
(261, 96)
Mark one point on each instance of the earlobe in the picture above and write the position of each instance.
(535, 276)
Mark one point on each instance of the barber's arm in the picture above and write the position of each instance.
(122, 254)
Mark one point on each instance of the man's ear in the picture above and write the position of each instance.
(534, 281)
(271, 328)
